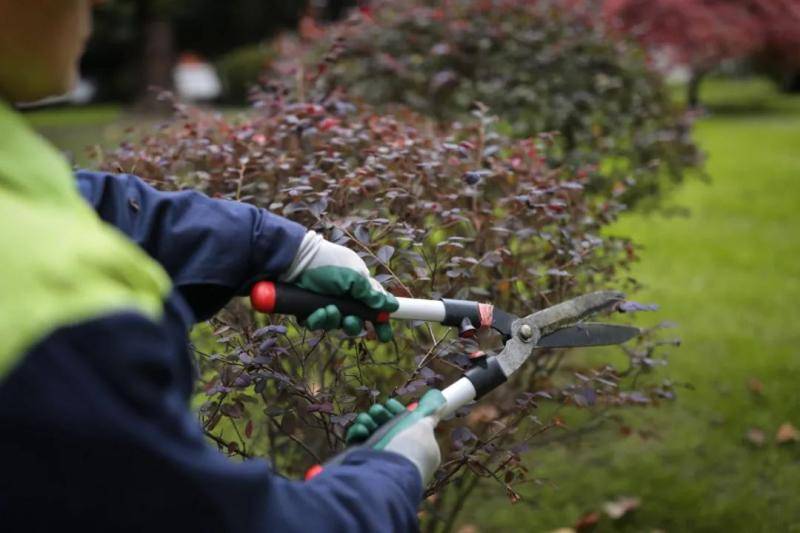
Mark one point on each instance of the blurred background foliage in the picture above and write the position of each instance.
(136, 42)
(539, 67)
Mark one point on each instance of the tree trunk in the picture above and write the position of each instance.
(158, 57)
(693, 89)
(336, 9)
(791, 82)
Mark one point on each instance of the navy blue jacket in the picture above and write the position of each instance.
(95, 428)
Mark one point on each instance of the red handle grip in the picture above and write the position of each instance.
(313, 472)
(285, 299)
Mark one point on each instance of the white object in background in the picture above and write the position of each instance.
(195, 79)
(82, 94)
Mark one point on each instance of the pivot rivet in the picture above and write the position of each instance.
(525, 332)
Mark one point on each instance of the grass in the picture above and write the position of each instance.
(72, 117)
(75, 129)
(729, 275)
(78, 130)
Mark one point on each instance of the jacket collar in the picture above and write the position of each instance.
(29, 165)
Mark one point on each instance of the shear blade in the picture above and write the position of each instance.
(588, 334)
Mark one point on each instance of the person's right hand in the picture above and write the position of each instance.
(393, 428)
(327, 268)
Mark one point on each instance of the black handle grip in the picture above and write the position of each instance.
(286, 299)
(486, 376)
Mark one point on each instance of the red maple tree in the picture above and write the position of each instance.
(700, 34)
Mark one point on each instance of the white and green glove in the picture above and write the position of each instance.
(393, 428)
(326, 268)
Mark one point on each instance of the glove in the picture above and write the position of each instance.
(393, 428)
(327, 268)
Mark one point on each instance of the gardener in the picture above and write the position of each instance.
(97, 299)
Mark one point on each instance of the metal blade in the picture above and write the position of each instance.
(588, 334)
(531, 332)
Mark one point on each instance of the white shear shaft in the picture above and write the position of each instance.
(416, 309)
(457, 395)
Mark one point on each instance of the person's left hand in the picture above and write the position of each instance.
(327, 268)
(391, 427)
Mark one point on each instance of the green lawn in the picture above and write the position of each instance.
(76, 129)
(729, 275)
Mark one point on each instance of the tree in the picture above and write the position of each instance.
(135, 41)
(157, 48)
(781, 54)
(701, 34)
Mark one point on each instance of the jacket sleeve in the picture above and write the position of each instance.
(212, 249)
(94, 428)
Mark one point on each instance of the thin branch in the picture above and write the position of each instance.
(223, 444)
(297, 441)
(455, 510)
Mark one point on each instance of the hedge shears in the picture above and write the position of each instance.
(560, 326)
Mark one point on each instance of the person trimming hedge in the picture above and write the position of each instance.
(101, 277)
